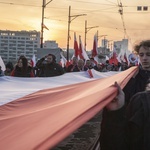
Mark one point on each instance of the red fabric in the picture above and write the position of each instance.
(32, 74)
(68, 63)
(42, 119)
(94, 51)
(32, 63)
(12, 73)
(80, 48)
(113, 61)
(90, 73)
(76, 46)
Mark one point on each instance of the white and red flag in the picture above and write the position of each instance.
(80, 48)
(95, 50)
(113, 59)
(76, 49)
(33, 61)
(63, 60)
(38, 113)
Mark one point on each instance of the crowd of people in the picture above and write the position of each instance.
(126, 120)
(48, 67)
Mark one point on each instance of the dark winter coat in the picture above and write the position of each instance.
(138, 116)
(17, 72)
(49, 69)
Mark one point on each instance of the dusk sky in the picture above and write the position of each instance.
(27, 15)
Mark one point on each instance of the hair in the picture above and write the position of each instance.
(10, 66)
(24, 64)
(145, 44)
(54, 57)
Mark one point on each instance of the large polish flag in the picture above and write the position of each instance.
(38, 113)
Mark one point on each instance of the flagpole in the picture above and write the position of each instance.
(42, 27)
(42, 23)
(68, 33)
(69, 21)
(86, 30)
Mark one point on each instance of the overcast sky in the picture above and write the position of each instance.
(26, 15)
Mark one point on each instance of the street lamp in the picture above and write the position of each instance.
(86, 30)
(42, 24)
(69, 21)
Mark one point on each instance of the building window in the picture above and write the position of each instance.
(139, 8)
(145, 8)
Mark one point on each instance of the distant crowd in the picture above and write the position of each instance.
(48, 67)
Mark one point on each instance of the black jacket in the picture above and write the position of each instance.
(18, 72)
(138, 116)
(49, 69)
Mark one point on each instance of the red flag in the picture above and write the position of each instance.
(68, 63)
(94, 51)
(80, 48)
(76, 46)
(113, 59)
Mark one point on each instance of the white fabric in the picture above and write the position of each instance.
(12, 88)
(2, 64)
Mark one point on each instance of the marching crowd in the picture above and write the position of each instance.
(126, 120)
(48, 67)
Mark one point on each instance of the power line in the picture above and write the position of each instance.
(19, 4)
(110, 2)
(92, 3)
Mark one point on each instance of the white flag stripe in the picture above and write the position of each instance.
(13, 87)
(2, 64)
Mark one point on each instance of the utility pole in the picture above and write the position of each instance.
(86, 30)
(104, 45)
(42, 24)
(69, 22)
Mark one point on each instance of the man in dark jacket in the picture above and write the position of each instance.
(48, 67)
(113, 127)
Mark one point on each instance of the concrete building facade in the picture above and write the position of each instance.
(121, 45)
(50, 44)
(16, 43)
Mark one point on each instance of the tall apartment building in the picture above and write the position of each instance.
(16, 43)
